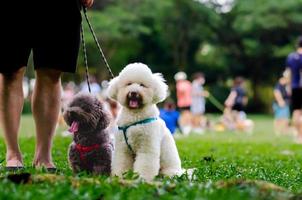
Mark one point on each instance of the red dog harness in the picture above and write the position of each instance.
(85, 149)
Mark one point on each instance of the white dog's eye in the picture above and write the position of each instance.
(129, 84)
(142, 85)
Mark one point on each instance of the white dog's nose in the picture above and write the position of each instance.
(133, 95)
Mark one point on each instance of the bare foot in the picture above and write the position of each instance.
(43, 159)
(40, 163)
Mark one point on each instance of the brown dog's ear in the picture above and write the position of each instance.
(160, 88)
(113, 88)
(104, 119)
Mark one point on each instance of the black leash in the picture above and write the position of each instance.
(85, 57)
(124, 129)
(85, 49)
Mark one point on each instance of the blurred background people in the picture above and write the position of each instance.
(234, 114)
(113, 108)
(294, 65)
(198, 102)
(25, 87)
(281, 106)
(237, 99)
(69, 90)
(184, 100)
(170, 116)
(94, 86)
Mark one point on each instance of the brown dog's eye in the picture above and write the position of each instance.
(142, 85)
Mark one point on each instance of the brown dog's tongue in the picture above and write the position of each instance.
(74, 127)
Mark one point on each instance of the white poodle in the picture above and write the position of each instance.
(143, 143)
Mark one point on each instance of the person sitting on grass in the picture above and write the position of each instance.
(170, 116)
(237, 99)
(234, 114)
(281, 106)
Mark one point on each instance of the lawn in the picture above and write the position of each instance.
(228, 166)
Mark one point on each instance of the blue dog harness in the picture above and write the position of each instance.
(125, 128)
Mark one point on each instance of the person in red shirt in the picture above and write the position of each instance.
(184, 100)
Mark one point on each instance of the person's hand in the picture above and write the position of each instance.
(228, 104)
(87, 3)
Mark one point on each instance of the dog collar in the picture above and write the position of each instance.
(126, 127)
(85, 149)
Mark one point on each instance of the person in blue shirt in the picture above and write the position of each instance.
(170, 116)
(294, 66)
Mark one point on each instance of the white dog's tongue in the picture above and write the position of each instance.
(133, 104)
(74, 127)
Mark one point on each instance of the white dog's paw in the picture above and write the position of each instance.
(117, 172)
(182, 172)
(147, 177)
(171, 172)
(189, 173)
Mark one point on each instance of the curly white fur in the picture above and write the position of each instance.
(153, 144)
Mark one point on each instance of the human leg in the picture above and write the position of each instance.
(11, 104)
(281, 126)
(55, 53)
(296, 105)
(46, 107)
(185, 121)
(297, 122)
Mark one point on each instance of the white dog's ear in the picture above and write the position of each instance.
(113, 89)
(160, 88)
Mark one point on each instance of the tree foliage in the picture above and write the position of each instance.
(251, 40)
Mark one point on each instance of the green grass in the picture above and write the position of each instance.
(224, 163)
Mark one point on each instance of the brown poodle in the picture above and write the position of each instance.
(91, 149)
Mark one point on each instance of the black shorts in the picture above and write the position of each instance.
(238, 107)
(50, 29)
(186, 108)
(296, 99)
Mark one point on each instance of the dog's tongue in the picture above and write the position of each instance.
(133, 104)
(74, 127)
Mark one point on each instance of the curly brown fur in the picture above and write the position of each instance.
(88, 120)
